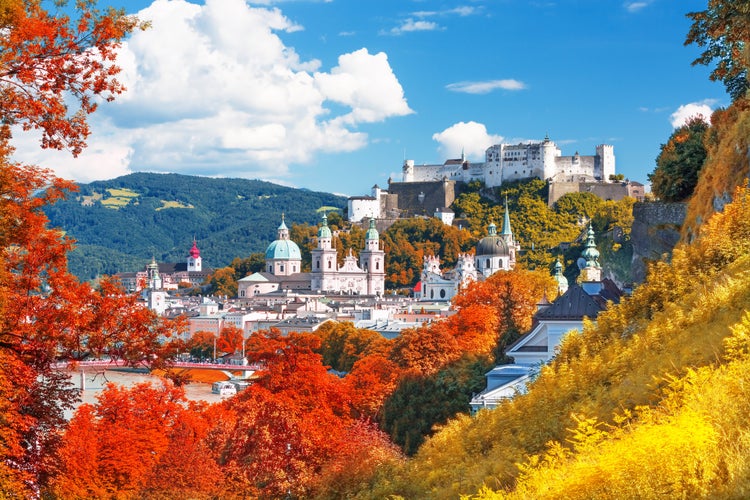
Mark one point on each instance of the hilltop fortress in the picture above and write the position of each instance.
(513, 162)
(430, 189)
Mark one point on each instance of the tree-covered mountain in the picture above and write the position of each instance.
(120, 224)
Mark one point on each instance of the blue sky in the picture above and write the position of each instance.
(334, 95)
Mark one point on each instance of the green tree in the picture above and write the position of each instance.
(421, 402)
(578, 206)
(723, 31)
(256, 262)
(679, 162)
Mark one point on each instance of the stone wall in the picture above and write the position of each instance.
(604, 190)
(423, 198)
(655, 232)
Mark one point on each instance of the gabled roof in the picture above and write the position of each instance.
(575, 303)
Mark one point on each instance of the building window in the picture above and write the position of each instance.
(488, 263)
(329, 264)
(442, 293)
(317, 264)
(377, 265)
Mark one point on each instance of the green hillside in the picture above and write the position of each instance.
(121, 223)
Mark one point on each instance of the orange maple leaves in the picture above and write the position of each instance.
(47, 62)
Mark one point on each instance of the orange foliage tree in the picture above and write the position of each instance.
(342, 344)
(230, 340)
(496, 311)
(279, 432)
(140, 442)
(53, 70)
(49, 63)
(371, 380)
(201, 344)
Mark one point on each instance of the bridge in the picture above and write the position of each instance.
(104, 365)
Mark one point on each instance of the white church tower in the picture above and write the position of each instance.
(372, 261)
(194, 259)
(324, 260)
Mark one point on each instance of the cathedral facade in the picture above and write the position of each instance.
(356, 276)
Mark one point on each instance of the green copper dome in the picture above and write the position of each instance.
(324, 231)
(561, 280)
(283, 248)
(372, 233)
(590, 254)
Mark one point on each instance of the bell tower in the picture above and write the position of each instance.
(372, 260)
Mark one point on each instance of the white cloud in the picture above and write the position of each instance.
(367, 85)
(635, 6)
(470, 137)
(213, 90)
(462, 11)
(410, 25)
(691, 110)
(485, 87)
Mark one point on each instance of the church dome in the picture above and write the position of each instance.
(324, 231)
(283, 249)
(492, 245)
(372, 232)
(194, 251)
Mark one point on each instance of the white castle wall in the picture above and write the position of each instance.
(512, 162)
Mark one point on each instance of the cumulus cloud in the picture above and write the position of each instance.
(213, 90)
(366, 84)
(470, 137)
(485, 87)
(691, 110)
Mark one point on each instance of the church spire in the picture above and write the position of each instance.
(506, 221)
(283, 231)
(589, 261)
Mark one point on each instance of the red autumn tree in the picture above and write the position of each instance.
(426, 349)
(365, 454)
(278, 433)
(53, 70)
(230, 340)
(201, 344)
(140, 442)
(372, 379)
(502, 306)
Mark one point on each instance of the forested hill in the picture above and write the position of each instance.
(120, 224)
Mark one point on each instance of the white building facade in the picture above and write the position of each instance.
(363, 276)
(512, 162)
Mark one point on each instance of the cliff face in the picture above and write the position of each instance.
(655, 232)
(726, 167)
